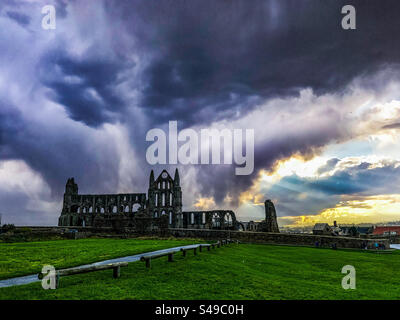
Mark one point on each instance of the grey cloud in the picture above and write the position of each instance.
(85, 86)
(330, 164)
(61, 8)
(203, 53)
(20, 18)
(199, 62)
(207, 61)
(392, 126)
(325, 192)
(11, 213)
(57, 152)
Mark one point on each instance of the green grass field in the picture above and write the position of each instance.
(24, 258)
(236, 272)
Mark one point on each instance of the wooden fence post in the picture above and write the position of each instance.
(117, 272)
(57, 279)
(170, 257)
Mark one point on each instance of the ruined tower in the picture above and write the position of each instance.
(165, 198)
(159, 209)
(71, 188)
(270, 223)
(71, 192)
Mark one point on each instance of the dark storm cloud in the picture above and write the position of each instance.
(8, 3)
(56, 153)
(61, 8)
(219, 53)
(10, 124)
(305, 139)
(290, 201)
(199, 61)
(213, 60)
(85, 86)
(20, 18)
(353, 180)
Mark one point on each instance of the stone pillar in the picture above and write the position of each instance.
(270, 224)
(270, 216)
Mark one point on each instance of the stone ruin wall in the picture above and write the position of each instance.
(160, 208)
(213, 219)
(245, 237)
(278, 238)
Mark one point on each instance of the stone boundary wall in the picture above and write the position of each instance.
(279, 238)
(57, 229)
(392, 239)
(243, 236)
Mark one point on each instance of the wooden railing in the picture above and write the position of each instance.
(117, 266)
(78, 270)
(184, 251)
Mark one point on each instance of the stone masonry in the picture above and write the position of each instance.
(161, 208)
(270, 224)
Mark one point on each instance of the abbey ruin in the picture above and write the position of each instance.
(160, 209)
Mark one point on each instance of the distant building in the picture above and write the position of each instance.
(322, 229)
(354, 231)
(335, 229)
(365, 230)
(386, 230)
(349, 231)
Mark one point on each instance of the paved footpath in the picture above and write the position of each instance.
(34, 277)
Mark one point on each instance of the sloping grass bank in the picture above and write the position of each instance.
(245, 271)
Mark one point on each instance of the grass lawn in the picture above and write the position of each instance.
(236, 272)
(24, 258)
